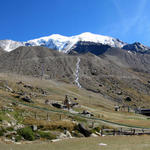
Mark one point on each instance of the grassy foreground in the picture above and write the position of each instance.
(113, 143)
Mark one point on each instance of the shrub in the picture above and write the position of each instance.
(27, 133)
(1, 119)
(2, 131)
(46, 135)
(18, 138)
(10, 129)
(96, 129)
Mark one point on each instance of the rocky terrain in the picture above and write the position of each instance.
(112, 72)
(2, 51)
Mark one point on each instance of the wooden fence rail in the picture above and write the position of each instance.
(124, 132)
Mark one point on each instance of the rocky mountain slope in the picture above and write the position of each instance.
(112, 72)
(137, 47)
(2, 51)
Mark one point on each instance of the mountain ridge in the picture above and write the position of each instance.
(62, 43)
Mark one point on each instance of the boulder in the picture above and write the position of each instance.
(18, 126)
(20, 82)
(57, 105)
(27, 99)
(6, 124)
(13, 122)
(88, 114)
(119, 93)
(21, 93)
(68, 134)
(48, 102)
(34, 127)
(128, 99)
(74, 105)
(62, 136)
(9, 89)
(84, 131)
(93, 135)
(28, 86)
(5, 108)
(41, 91)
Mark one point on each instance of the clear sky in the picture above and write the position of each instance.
(128, 20)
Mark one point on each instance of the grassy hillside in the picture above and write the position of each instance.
(101, 107)
(17, 117)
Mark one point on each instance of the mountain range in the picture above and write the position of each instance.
(66, 44)
(97, 63)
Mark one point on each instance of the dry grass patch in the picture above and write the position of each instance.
(51, 125)
(112, 143)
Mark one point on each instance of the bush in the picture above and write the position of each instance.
(2, 131)
(96, 129)
(46, 135)
(18, 138)
(10, 129)
(1, 119)
(27, 133)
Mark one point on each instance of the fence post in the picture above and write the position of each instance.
(35, 115)
(48, 117)
(133, 131)
(92, 124)
(121, 131)
(101, 132)
(114, 132)
(60, 117)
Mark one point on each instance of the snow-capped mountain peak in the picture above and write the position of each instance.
(54, 41)
(96, 38)
(9, 45)
(63, 43)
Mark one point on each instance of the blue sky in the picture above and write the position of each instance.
(128, 20)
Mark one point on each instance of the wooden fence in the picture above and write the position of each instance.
(124, 132)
